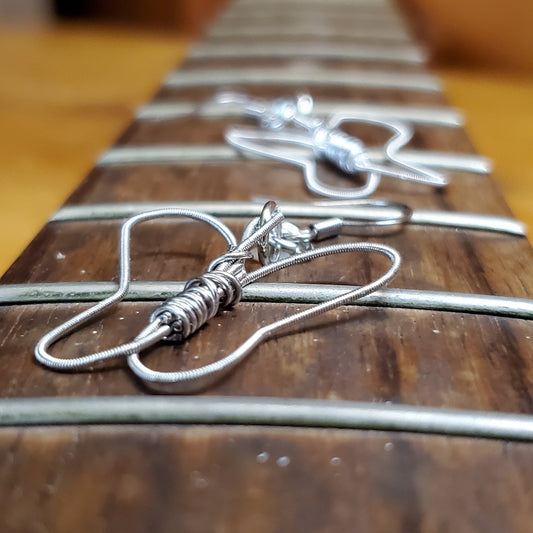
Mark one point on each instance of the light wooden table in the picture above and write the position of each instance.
(67, 92)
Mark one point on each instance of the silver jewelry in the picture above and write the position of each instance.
(202, 297)
(290, 121)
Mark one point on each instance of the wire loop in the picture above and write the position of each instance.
(291, 122)
(202, 298)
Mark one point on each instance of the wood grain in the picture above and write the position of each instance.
(214, 478)
(361, 354)
(436, 259)
(170, 479)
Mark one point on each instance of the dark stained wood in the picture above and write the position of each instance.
(176, 251)
(170, 479)
(210, 478)
(361, 354)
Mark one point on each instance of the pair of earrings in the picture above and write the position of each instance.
(271, 239)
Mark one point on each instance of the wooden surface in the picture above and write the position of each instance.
(212, 478)
(478, 32)
(240, 480)
(398, 346)
(66, 93)
(59, 113)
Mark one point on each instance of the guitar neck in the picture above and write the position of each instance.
(429, 377)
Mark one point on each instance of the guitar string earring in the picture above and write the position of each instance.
(221, 286)
(291, 122)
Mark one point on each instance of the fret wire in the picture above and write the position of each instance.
(398, 54)
(310, 210)
(365, 4)
(483, 304)
(221, 209)
(318, 10)
(438, 116)
(294, 9)
(264, 411)
(306, 30)
(374, 20)
(295, 76)
(374, 29)
(380, 22)
(176, 154)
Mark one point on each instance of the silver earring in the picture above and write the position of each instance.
(288, 123)
(220, 286)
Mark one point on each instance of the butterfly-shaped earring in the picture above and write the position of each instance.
(290, 132)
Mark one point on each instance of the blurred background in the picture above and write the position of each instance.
(72, 73)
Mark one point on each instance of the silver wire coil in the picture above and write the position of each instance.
(200, 301)
(345, 151)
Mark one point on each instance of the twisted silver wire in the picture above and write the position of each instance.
(345, 151)
(220, 286)
(197, 303)
(402, 134)
(273, 114)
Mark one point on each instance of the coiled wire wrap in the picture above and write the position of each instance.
(345, 151)
(200, 300)
(402, 134)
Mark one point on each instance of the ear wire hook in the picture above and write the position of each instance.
(201, 299)
(292, 122)
(288, 239)
(273, 114)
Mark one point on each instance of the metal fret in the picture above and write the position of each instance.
(295, 76)
(433, 116)
(177, 154)
(366, 4)
(287, 50)
(482, 304)
(263, 411)
(301, 30)
(295, 9)
(229, 209)
(257, 17)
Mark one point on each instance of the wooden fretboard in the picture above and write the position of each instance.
(393, 385)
